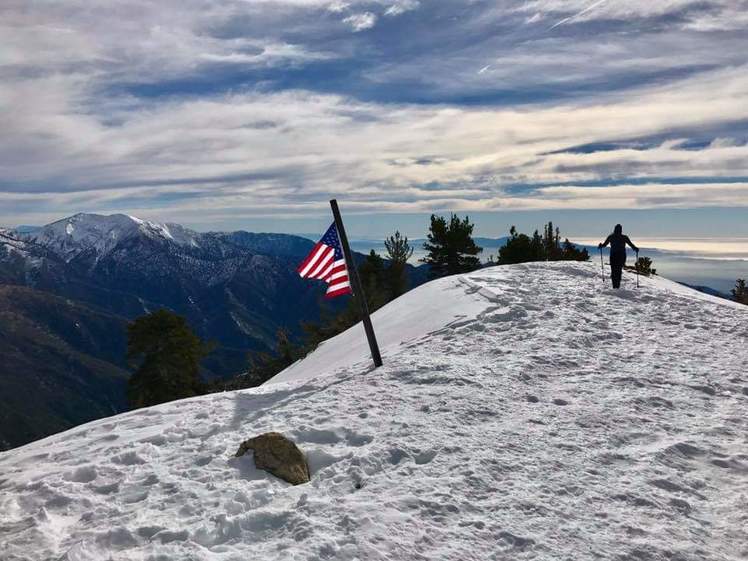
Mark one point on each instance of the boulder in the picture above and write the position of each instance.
(278, 455)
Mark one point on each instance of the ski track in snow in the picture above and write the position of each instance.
(556, 420)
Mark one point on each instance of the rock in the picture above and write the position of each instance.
(278, 455)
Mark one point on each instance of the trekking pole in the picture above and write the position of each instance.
(602, 265)
(637, 268)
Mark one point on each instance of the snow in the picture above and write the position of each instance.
(10, 244)
(394, 326)
(523, 412)
(101, 234)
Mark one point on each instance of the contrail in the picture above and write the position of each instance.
(587, 9)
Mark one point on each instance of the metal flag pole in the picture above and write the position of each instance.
(358, 291)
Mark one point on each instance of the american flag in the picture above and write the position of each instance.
(327, 262)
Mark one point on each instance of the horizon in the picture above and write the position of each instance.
(360, 229)
(711, 261)
(683, 243)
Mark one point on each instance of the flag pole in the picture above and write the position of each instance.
(358, 291)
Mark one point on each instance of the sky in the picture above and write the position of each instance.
(253, 114)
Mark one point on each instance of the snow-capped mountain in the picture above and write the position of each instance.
(89, 273)
(522, 412)
(99, 235)
(128, 266)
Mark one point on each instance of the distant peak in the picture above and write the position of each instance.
(100, 233)
(93, 217)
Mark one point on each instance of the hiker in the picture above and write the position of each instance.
(617, 241)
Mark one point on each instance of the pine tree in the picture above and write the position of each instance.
(263, 366)
(374, 281)
(398, 253)
(644, 266)
(740, 292)
(536, 246)
(167, 354)
(520, 248)
(570, 252)
(550, 243)
(450, 247)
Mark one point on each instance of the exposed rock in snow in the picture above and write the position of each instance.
(278, 455)
(441, 453)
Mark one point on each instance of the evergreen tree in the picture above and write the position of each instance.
(536, 247)
(551, 245)
(740, 292)
(263, 366)
(329, 325)
(374, 281)
(644, 266)
(450, 246)
(570, 252)
(520, 248)
(398, 253)
(167, 354)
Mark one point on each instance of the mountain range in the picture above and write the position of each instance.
(68, 290)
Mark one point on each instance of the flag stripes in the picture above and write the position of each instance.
(326, 262)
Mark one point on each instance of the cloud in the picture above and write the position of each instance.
(338, 7)
(195, 108)
(359, 22)
(580, 14)
(401, 6)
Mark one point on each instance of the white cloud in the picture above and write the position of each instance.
(711, 16)
(360, 22)
(401, 6)
(322, 145)
(338, 7)
(76, 137)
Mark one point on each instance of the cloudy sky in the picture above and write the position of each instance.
(254, 113)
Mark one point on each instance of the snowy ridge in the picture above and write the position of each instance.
(86, 233)
(10, 243)
(523, 412)
(7, 239)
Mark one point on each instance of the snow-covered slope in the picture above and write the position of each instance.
(523, 412)
(100, 234)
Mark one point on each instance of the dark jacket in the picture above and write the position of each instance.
(618, 241)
